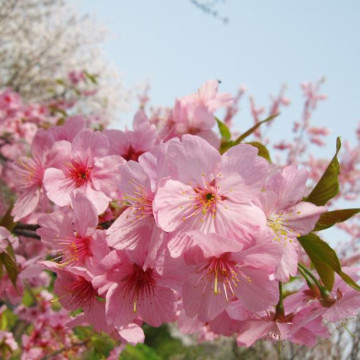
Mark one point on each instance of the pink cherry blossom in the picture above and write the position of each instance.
(29, 173)
(85, 167)
(131, 144)
(210, 192)
(133, 292)
(73, 234)
(136, 226)
(222, 270)
(287, 215)
(194, 114)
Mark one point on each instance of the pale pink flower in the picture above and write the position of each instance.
(301, 328)
(210, 192)
(73, 234)
(73, 125)
(287, 215)
(343, 302)
(136, 226)
(131, 144)
(194, 114)
(85, 167)
(133, 292)
(28, 176)
(74, 288)
(222, 271)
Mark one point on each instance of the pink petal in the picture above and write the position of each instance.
(255, 291)
(159, 308)
(85, 214)
(172, 204)
(344, 308)
(58, 187)
(26, 203)
(194, 159)
(199, 299)
(243, 173)
(91, 142)
(302, 217)
(97, 198)
(132, 334)
(289, 185)
(253, 330)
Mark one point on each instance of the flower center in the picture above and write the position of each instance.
(75, 250)
(141, 200)
(223, 272)
(79, 172)
(80, 293)
(140, 284)
(278, 223)
(206, 199)
(132, 154)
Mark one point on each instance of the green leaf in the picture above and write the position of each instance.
(226, 143)
(225, 146)
(326, 273)
(328, 185)
(325, 260)
(28, 298)
(91, 77)
(102, 343)
(330, 218)
(139, 352)
(224, 130)
(7, 221)
(349, 281)
(7, 319)
(263, 151)
(252, 129)
(83, 332)
(10, 251)
(10, 266)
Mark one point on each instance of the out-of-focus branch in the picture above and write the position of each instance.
(208, 8)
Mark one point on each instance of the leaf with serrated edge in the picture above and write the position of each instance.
(330, 218)
(321, 253)
(328, 185)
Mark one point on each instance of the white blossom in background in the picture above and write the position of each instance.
(42, 41)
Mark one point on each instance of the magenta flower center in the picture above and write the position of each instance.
(132, 154)
(80, 293)
(79, 172)
(75, 250)
(139, 284)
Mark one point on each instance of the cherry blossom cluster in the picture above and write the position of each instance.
(154, 225)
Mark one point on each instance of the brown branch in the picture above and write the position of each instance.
(29, 230)
(26, 233)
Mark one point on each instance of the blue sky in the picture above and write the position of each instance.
(266, 43)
